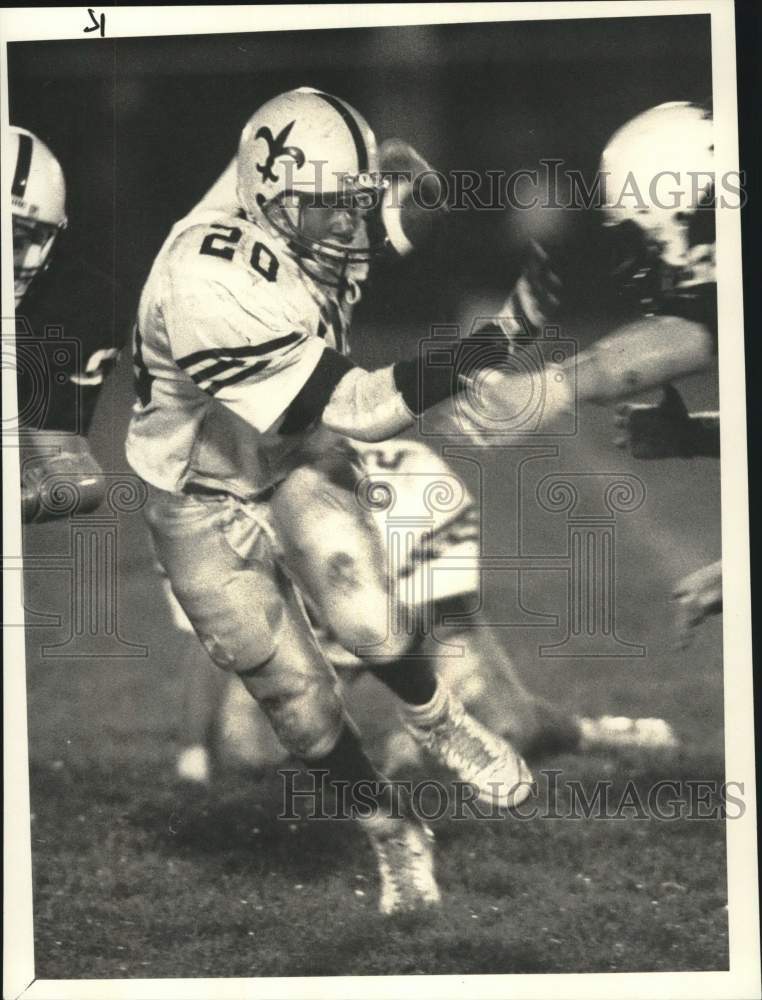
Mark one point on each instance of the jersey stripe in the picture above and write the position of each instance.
(354, 129)
(23, 163)
(208, 373)
(216, 384)
(331, 315)
(249, 351)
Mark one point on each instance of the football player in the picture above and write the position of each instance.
(666, 245)
(55, 458)
(478, 669)
(677, 273)
(660, 203)
(246, 402)
(482, 675)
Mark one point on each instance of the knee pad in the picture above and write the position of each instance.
(245, 635)
(306, 718)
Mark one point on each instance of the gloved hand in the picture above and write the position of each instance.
(663, 430)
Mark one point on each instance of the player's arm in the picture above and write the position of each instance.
(375, 405)
(270, 374)
(235, 332)
(642, 355)
(372, 406)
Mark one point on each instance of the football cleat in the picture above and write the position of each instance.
(405, 858)
(477, 756)
(618, 731)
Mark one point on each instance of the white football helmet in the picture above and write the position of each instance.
(306, 148)
(38, 199)
(658, 171)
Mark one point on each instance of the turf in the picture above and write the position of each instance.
(134, 876)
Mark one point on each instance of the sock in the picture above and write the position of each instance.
(431, 711)
(412, 679)
(348, 762)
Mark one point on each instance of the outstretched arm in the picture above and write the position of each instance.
(644, 354)
(372, 406)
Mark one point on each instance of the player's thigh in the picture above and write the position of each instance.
(334, 550)
(249, 617)
(234, 603)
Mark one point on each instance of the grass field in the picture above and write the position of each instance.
(135, 876)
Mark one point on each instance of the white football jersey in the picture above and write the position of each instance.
(229, 330)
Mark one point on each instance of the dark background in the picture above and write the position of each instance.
(143, 126)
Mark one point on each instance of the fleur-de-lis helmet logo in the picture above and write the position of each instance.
(277, 147)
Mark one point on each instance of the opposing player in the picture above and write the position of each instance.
(678, 273)
(246, 401)
(53, 415)
(668, 247)
(660, 202)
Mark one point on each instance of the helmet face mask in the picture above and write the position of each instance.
(38, 200)
(32, 245)
(641, 262)
(338, 231)
(308, 166)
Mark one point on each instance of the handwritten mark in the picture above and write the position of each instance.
(96, 23)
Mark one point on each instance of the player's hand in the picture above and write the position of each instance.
(398, 157)
(59, 476)
(502, 398)
(650, 431)
(698, 596)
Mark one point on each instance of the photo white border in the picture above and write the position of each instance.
(743, 979)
